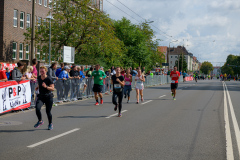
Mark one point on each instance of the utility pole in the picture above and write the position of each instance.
(182, 61)
(33, 31)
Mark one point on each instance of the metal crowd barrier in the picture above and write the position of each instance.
(78, 89)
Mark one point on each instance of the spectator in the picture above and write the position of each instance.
(7, 73)
(89, 72)
(134, 72)
(143, 71)
(16, 73)
(82, 77)
(64, 74)
(75, 82)
(34, 72)
(3, 76)
(51, 71)
(29, 74)
(59, 70)
(86, 68)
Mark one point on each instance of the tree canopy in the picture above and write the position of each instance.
(206, 67)
(232, 65)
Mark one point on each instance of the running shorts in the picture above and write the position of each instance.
(174, 85)
(97, 88)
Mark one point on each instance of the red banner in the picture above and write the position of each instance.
(189, 78)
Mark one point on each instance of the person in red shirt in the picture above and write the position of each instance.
(3, 76)
(174, 81)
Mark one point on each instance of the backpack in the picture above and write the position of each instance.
(10, 75)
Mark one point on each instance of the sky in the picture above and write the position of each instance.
(210, 29)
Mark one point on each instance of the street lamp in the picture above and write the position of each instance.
(169, 52)
(50, 18)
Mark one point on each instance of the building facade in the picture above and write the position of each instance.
(175, 54)
(15, 18)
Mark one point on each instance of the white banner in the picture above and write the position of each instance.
(14, 95)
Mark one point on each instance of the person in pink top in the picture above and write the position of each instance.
(128, 84)
(34, 75)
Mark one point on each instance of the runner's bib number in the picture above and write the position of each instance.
(139, 81)
(127, 83)
(117, 86)
(173, 81)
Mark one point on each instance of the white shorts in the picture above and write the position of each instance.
(139, 86)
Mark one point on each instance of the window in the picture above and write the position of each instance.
(22, 20)
(27, 51)
(171, 56)
(15, 18)
(176, 56)
(14, 50)
(28, 20)
(39, 22)
(45, 3)
(20, 51)
(50, 4)
(40, 2)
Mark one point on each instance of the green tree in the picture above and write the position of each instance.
(232, 65)
(78, 25)
(206, 67)
(140, 46)
(180, 64)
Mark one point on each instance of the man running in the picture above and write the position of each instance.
(98, 76)
(118, 84)
(196, 76)
(174, 83)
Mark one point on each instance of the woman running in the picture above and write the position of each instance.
(128, 85)
(118, 84)
(45, 96)
(139, 84)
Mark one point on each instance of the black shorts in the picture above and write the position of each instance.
(97, 88)
(174, 85)
(183, 76)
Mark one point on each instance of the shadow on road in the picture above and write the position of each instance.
(14, 131)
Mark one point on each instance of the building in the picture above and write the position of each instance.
(174, 56)
(15, 18)
(216, 71)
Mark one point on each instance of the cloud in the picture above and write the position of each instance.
(194, 23)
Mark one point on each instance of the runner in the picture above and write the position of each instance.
(174, 83)
(98, 76)
(196, 76)
(139, 85)
(128, 85)
(184, 76)
(45, 96)
(118, 84)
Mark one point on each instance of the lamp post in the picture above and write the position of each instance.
(50, 18)
(169, 52)
(33, 32)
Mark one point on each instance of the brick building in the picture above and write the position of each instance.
(15, 18)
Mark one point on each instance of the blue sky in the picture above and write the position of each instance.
(210, 29)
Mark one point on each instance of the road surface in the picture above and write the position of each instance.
(202, 124)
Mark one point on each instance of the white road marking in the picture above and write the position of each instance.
(146, 102)
(55, 137)
(162, 96)
(234, 119)
(115, 114)
(229, 148)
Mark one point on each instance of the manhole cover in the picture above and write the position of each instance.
(9, 123)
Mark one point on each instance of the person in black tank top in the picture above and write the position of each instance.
(45, 96)
(118, 83)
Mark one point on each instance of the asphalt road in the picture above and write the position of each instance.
(194, 127)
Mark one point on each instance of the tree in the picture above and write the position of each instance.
(206, 67)
(78, 25)
(180, 64)
(140, 46)
(232, 65)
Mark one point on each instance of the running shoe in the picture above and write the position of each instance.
(128, 101)
(142, 99)
(119, 115)
(174, 98)
(137, 102)
(38, 124)
(50, 126)
(125, 96)
(96, 104)
(172, 94)
(101, 102)
(115, 108)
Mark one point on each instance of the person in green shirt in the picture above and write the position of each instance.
(86, 68)
(98, 76)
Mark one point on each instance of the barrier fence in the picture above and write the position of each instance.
(77, 89)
